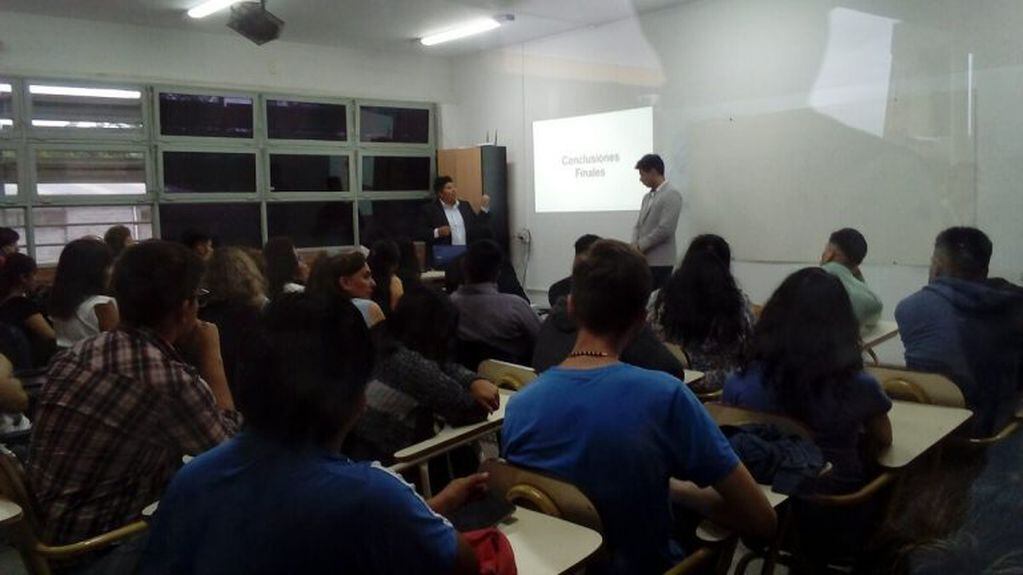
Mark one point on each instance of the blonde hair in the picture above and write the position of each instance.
(231, 275)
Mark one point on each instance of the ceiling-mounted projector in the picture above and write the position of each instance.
(252, 20)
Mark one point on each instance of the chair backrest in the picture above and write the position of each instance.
(679, 353)
(907, 385)
(541, 492)
(507, 375)
(737, 416)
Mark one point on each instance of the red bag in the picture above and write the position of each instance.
(493, 551)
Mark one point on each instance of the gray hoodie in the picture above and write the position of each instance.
(972, 332)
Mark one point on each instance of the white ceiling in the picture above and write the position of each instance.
(367, 24)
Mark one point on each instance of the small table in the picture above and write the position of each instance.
(10, 512)
(692, 376)
(916, 427)
(432, 276)
(543, 544)
(447, 439)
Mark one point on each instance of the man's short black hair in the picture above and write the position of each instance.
(651, 162)
(611, 285)
(8, 237)
(192, 238)
(482, 262)
(584, 242)
(967, 251)
(303, 371)
(152, 279)
(439, 182)
(852, 244)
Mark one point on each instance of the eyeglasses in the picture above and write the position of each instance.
(202, 296)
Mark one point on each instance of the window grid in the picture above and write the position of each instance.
(24, 141)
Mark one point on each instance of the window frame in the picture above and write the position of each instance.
(49, 200)
(273, 195)
(229, 197)
(348, 103)
(159, 136)
(87, 135)
(431, 139)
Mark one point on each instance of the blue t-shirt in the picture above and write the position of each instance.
(836, 419)
(619, 433)
(255, 506)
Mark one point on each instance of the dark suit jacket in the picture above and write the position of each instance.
(431, 217)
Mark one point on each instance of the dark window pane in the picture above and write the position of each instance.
(298, 173)
(205, 172)
(85, 107)
(227, 224)
(388, 219)
(395, 173)
(288, 120)
(312, 224)
(405, 125)
(209, 116)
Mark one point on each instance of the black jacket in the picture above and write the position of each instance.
(431, 217)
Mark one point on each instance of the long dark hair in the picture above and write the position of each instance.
(424, 321)
(701, 300)
(16, 267)
(383, 260)
(807, 341)
(281, 264)
(408, 266)
(81, 272)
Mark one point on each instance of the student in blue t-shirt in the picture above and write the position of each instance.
(623, 434)
(280, 497)
(805, 362)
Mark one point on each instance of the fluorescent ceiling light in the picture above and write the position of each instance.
(210, 6)
(467, 29)
(5, 88)
(85, 92)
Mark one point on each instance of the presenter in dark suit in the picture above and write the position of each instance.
(654, 233)
(446, 221)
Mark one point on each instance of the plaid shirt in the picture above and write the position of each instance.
(115, 415)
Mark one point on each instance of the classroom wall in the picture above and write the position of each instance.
(860, 112)
(60, 47)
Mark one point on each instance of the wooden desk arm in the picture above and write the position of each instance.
(1006, 431)
(10, 512)
(695, 562)
(92, 544)
(865, 493)
(710, 396)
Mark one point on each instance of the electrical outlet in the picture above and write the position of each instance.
(524, 236)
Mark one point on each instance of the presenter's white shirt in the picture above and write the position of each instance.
(455, 222)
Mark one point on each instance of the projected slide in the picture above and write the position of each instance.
(587, 163)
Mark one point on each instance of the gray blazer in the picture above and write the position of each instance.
(654, 233)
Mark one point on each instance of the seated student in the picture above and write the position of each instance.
(563, 287)
(347, 275)
(409, 271)
(18, 310)
(119, 409)
(117, 238)
(13, 400)
(384, 260)
(842, 257)
(415, 380)
(200, 242)
(236, 297)
(701, 309)
(620, 433)
(8, 243)
(507, 279)
(79, 304)
(285, 271)
(967, 327)
(500, 321)
(559, 330)
(804, 362)
(281, 497)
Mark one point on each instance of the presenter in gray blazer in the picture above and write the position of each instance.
(654, 234)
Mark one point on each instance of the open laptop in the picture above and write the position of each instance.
(444, 255)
